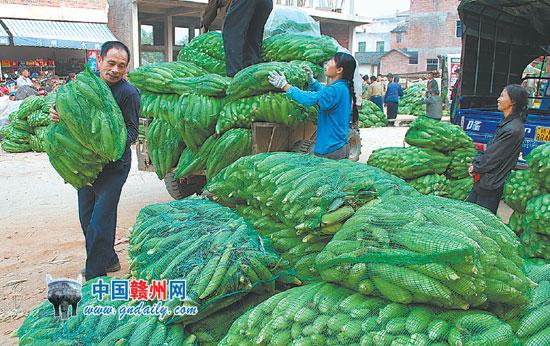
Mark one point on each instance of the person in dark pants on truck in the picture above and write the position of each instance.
(97, 204)
(243, 31)
(491, 167)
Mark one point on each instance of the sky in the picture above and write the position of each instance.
(380, 8)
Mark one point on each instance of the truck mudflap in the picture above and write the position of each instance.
(481, 125)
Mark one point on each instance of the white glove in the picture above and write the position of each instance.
(277, 80)
(309, 73)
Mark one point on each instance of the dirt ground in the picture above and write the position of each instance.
(41, 234)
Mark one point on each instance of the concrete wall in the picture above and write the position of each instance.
(123, 22)
(367, 69)
(378, 30)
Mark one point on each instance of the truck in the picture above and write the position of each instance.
(504, 42)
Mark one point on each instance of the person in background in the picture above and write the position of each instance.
(97, 204)
(365, 87)
(24, 78)
(376, 92)
(433, 101)
(455, 94)
(384, 81)
(243, 31)
(212, 10)
(391, 99)
(71, 77)
(491, 167)
(336, 102)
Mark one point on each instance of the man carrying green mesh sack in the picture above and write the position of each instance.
(97, 204)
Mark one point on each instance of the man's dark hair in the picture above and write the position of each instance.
(107, 46)
(390, 75)
(366, 78)
(373, 78)
(23, 69)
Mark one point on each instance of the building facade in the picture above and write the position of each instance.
(168, 24)
(433, 30)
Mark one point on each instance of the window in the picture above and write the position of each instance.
(147, 35)
(362, 47)
(432, 64)
(458, 28)
(380, 46)
(181, 36)
(399, 37)
(413, 58)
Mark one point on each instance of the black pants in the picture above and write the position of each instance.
(243, 31)
(392, 112)
(97, 209)
(488, 199)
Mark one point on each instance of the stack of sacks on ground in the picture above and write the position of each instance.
(371, 115)
(528, 193)
(436, 162)
(412, 102)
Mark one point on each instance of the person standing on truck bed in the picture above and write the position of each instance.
(97, 204)
(336, 101)
(391, 99)
(243, 31)
(491, 167)
(213, 8)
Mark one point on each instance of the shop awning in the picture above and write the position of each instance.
(44, 33)
(4, 37)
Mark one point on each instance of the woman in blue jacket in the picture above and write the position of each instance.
(336, 103)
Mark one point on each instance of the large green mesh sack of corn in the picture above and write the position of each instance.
(299, 201)
(158, 105)
(215, 153)
(431, 184)
(164, 146)
(221, 257)
(531, 321)
(155, 77)
(38, 139)
(209, 84)
(15, 140)
(516, 222)
(40, 327)
(212, 329)
(535, 245)
(253, 80)
(539, 164)
(206, 51)
(412, 102)
(426, 250)
(91, 131)
(288, 47)
(460, 161)
(460, 188)
(371, 115)
(537, 214)
(270, 107)
(520, 187)
(326, 314)
(438, 135)
(410, 162)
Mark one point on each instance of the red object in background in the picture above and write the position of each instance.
(476, 177)
(480, 146)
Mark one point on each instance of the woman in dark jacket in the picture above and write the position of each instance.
(491, 167)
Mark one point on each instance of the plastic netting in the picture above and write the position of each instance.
(155, 77)
(291, 21)
(460, 161)
(231, 146)
(270, 107)
(221, 257)
(535, 244)
(209, 85)
(427, 250)
(459, 189)
(537, 214)
(326, 314)
(412, 102)
(410, 162)
(288, 47)
(539, 164)
(434, 184)
(516, 222)
(371, 115)
(520, 187)
(212, 329)
(438, 135)
(165, 146)
(40, 327)
(158, 105)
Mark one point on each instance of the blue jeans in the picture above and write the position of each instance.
(97, 209)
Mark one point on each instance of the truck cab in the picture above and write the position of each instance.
(504, 42)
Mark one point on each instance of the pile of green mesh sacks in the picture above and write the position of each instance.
(528, 193)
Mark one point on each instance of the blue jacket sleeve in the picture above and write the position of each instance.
(326, 98)
(400, 91)
(315, 86)
(130, 112)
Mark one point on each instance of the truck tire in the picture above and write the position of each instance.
(180, 190)
(354, 139)
(304, 146)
